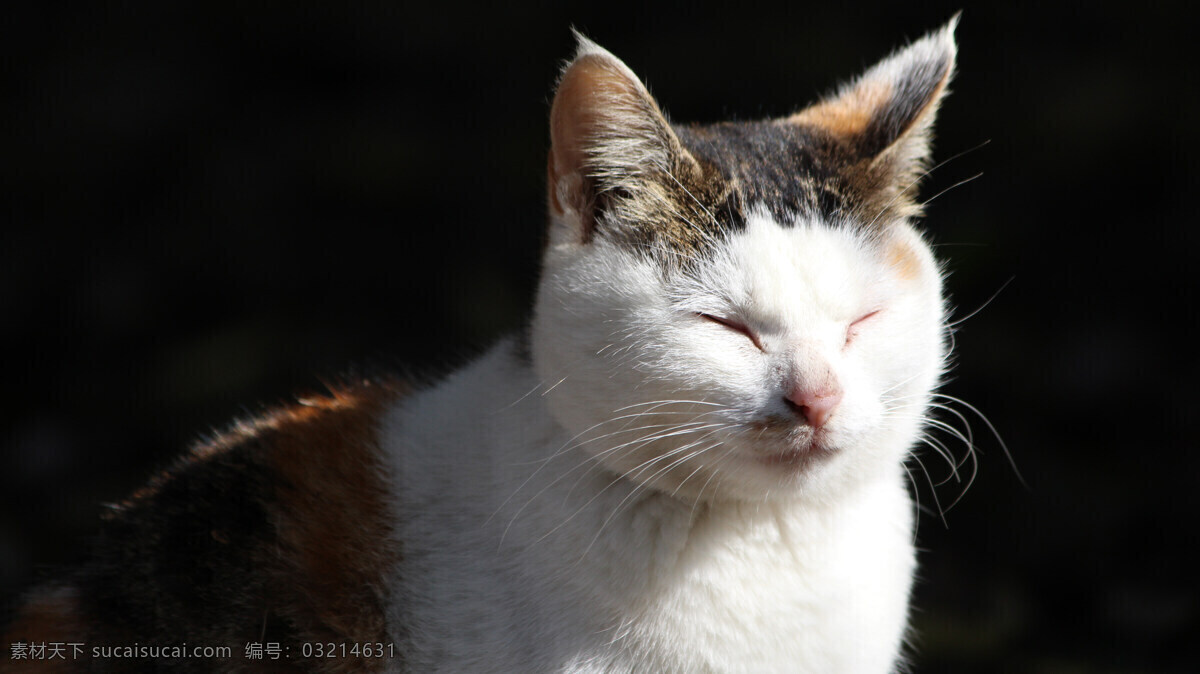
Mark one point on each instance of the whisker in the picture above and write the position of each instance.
(970, 480)
(594, 458)
(982, 417)
(996, 294)
(567, 447)
(944, 452)
(698, 203)
(641, 486)
(663, 402)
(933, 490)
(554, 387)
(514, 403)
(957, 184)
(916, 492)
(921, 177)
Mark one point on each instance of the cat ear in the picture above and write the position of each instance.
(885, 116)
(608, 137)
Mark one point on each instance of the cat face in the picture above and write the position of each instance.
(741, 310)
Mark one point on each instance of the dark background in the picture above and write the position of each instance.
(208, 209)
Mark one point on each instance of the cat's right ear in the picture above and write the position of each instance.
(607, 138)
(884, 118)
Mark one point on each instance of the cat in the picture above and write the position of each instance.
(690, 461)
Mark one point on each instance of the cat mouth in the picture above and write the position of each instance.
(781, 444)
(797, 457)
(792, 458)
(793, 450)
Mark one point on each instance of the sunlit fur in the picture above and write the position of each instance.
(639, 497)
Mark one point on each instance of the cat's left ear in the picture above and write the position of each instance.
(884, 117)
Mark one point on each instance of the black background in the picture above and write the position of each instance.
(209, 208)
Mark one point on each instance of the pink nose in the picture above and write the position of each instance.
(815, 405)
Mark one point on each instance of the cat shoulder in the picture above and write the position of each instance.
(277, 530)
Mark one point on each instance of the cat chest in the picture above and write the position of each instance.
(760, 603)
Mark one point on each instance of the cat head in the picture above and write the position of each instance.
(741, 309)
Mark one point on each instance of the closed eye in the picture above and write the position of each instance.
(854, 328)
(735, 326)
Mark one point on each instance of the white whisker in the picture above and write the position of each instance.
(996, 294)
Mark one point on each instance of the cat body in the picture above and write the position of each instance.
(692, 460)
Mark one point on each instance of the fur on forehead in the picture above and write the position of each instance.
(619, 170)
(840, 266)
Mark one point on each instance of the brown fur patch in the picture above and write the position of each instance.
(50, 616)
(552, 186)
(278, 531)
(335, 529)
(849, 115)
(904, 259)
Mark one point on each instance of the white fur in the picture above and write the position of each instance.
(609, 509)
